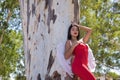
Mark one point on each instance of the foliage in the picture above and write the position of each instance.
(113, 75)
(8, 11)
(105, 40)
(11, 42)
(10, 51)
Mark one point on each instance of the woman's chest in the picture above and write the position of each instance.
(80, 48)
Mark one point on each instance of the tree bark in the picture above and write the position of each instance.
(45, 24)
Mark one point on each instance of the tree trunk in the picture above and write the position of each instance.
(45, 25)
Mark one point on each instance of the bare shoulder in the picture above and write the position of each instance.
(67, 44)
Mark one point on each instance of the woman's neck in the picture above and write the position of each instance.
(74, 39)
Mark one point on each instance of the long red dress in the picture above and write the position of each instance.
(79, 65)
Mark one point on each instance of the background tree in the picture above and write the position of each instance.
(45, 25)
(11, 44)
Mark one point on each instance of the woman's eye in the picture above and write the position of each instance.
(72, 29)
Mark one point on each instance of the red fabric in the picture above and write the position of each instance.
(79, 65)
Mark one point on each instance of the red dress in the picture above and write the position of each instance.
(79, 65)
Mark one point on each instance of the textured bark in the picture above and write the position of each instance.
(45, 25)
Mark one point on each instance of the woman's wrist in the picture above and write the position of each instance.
(85, 28)
(79, 26)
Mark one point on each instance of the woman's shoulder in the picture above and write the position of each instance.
(68, 42)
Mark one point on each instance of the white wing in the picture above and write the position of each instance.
(91, 60)
(65, 64)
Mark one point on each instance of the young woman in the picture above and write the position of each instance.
(79, 51)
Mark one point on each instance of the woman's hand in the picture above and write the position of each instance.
(69, 49)
(74, 24)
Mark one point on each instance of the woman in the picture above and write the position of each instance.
(78, 49)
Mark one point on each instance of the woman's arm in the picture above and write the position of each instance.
(69, 49)
(87, 30)
(88, 33)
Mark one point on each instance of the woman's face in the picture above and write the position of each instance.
(74, 31)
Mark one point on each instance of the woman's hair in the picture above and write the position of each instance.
(69, 37)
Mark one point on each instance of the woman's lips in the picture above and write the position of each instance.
(75, 33)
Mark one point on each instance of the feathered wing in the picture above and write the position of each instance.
(91, 60)
(65, 64)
